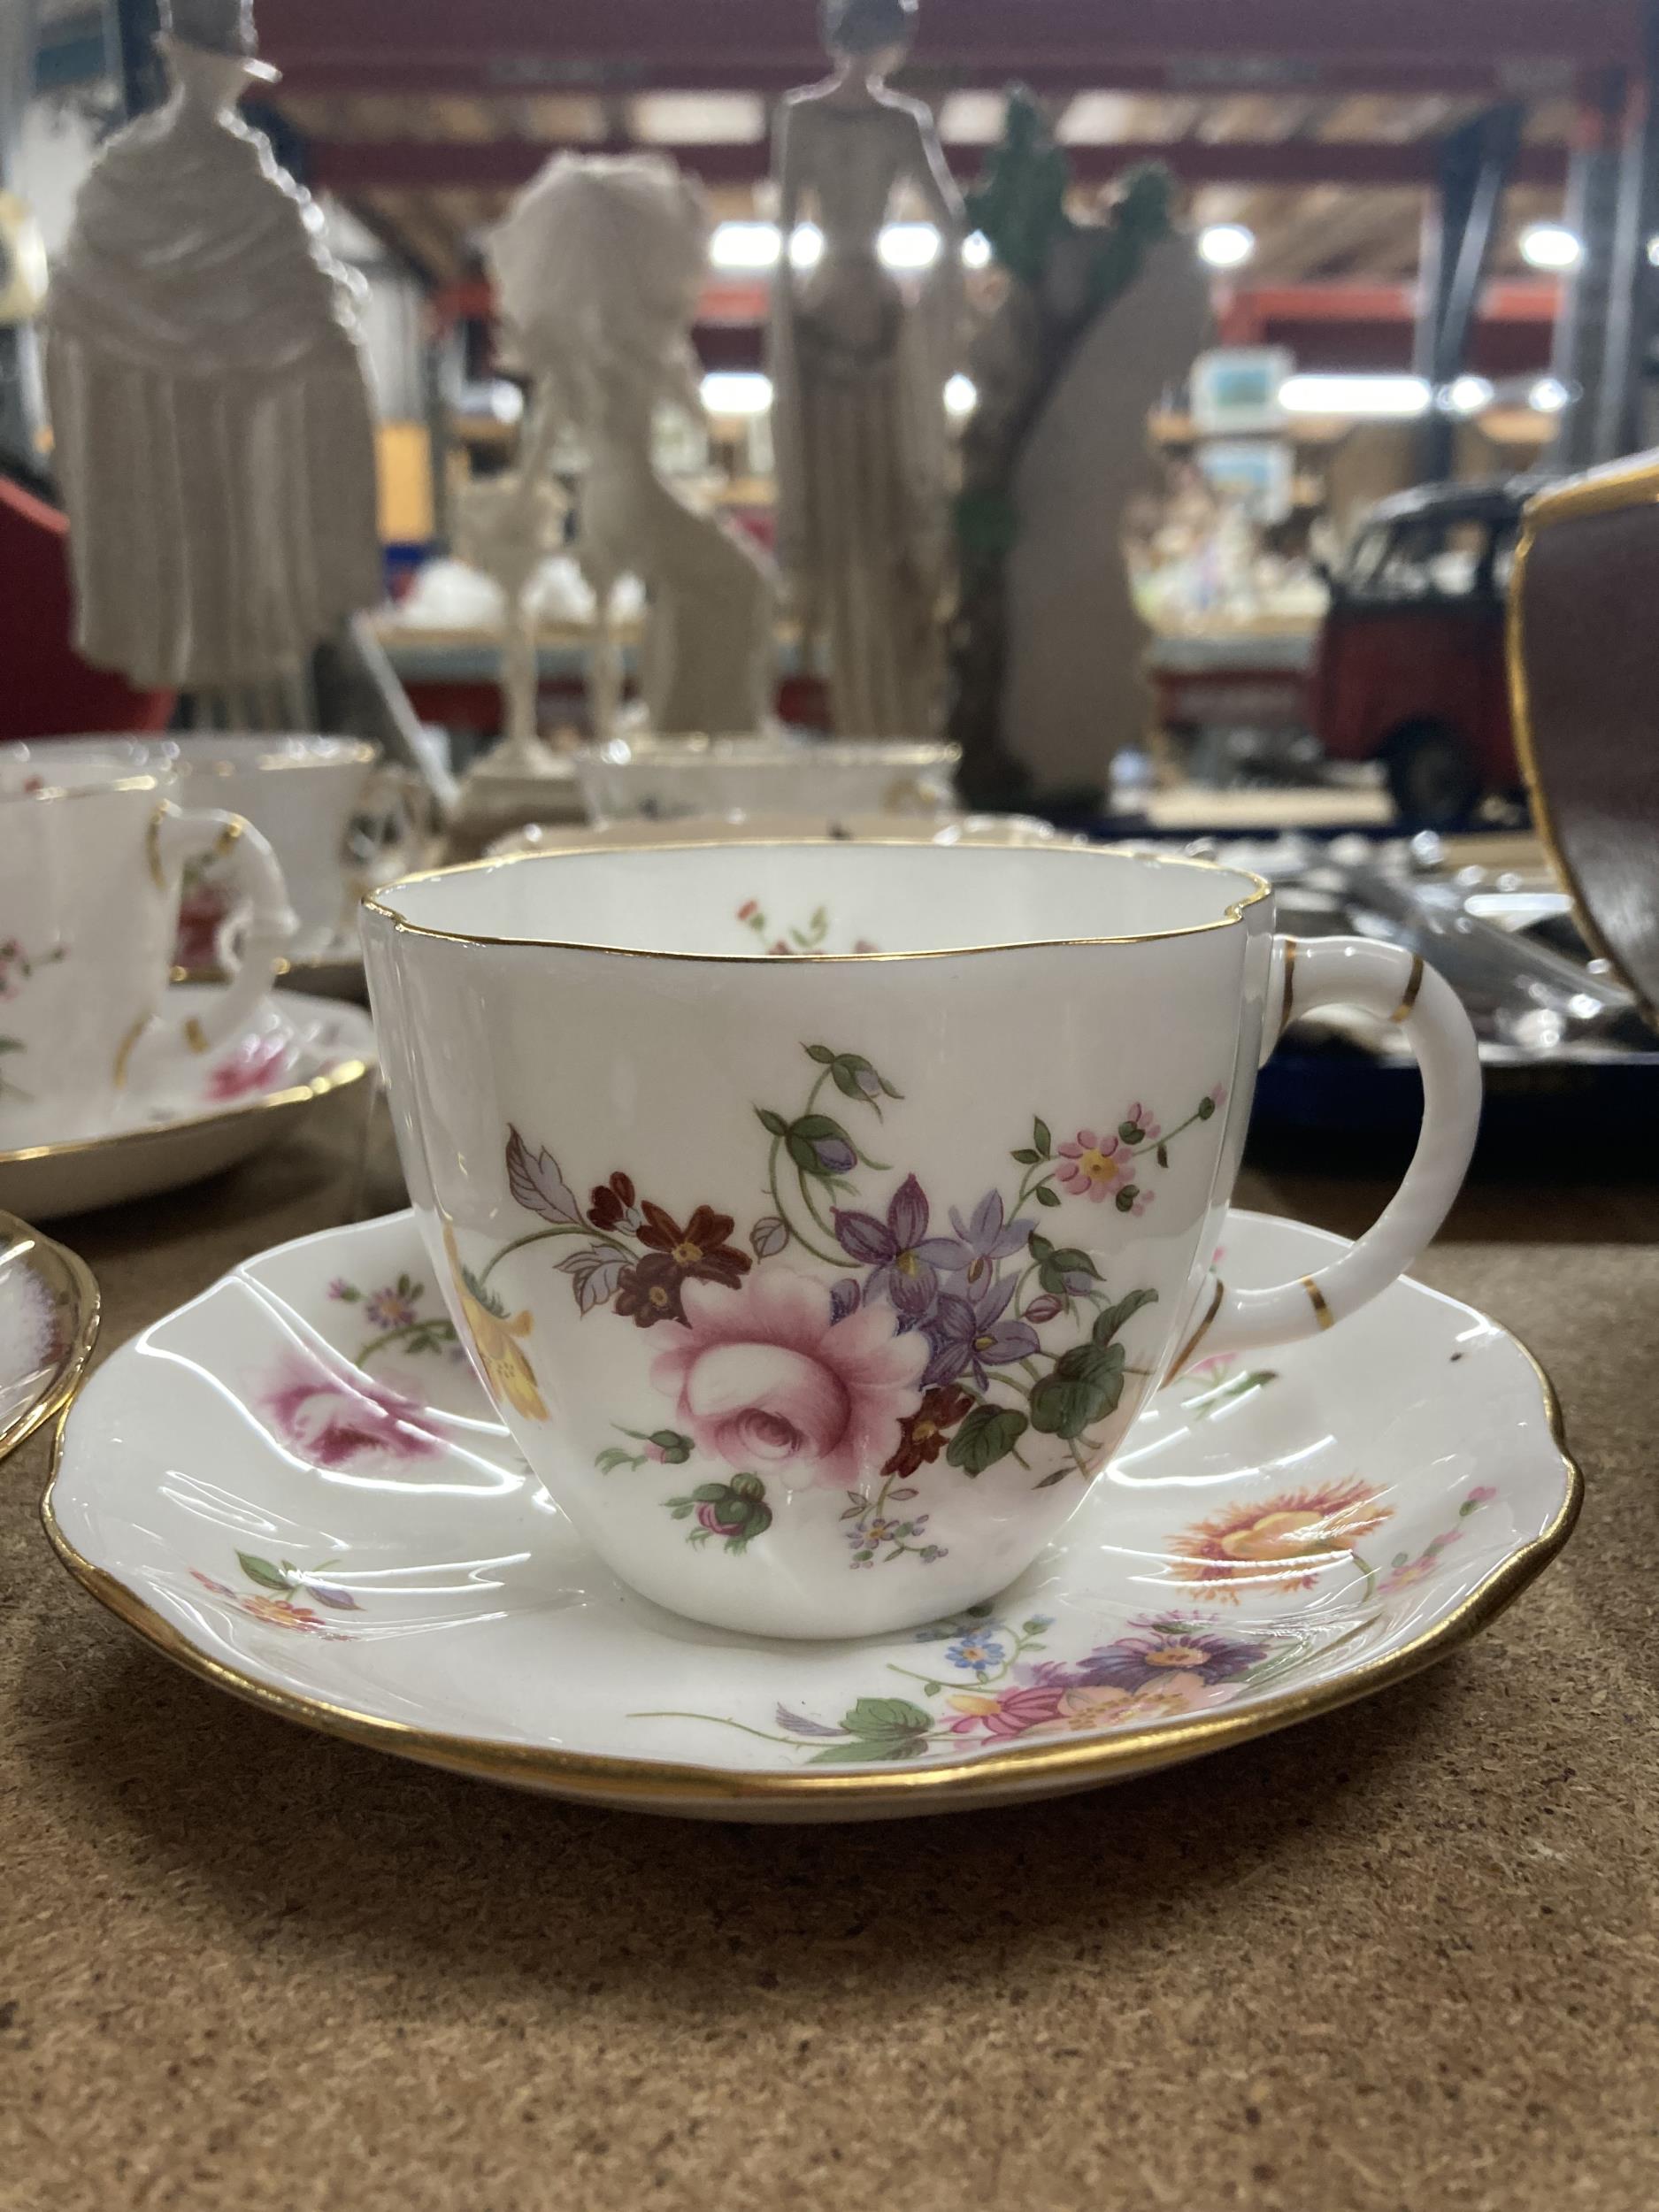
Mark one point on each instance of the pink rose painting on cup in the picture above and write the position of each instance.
(857, 1338)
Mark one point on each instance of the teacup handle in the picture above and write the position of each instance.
(1397, 987)
(260, 892)
(403, 795)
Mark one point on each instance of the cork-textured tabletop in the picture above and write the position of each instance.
(1406, 1956)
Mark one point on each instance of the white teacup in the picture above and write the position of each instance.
(91, 860)
(669, 777)
(339, 820)
(818, 1288)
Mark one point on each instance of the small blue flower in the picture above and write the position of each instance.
(978, 1654)
(985, 1239)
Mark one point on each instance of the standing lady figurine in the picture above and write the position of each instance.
(597, 267)
(210, 399)
(858, 366)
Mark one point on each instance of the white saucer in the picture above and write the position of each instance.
(212, 1112)
(294, 1487)
(48, 1322)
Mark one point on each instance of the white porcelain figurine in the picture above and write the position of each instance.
(859, 362)
(597, 271)
(506, 526)
(209, 397)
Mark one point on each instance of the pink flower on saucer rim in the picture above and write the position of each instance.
(338, 1421)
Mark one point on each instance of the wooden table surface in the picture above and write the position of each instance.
(1402, 1959)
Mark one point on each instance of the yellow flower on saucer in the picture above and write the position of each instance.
(494, 1334)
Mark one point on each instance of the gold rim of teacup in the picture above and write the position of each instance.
(353, 753)
(376, 903)
(151, 780)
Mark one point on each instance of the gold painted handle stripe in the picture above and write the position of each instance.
(152, 846)
(195, 1035)
(1198, 1335)
(1285, 1011)
(1409, 997)
(1327, 1319)
(124, 1050)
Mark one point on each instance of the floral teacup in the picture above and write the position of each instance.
(339, 818)
(818, 1269)
(91, 859)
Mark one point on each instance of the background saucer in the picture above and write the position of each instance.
(49, 1321)
(206, 1116)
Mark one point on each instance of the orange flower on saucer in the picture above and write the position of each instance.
(1278, 1543)
(494, 1336)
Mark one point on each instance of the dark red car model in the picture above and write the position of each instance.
(1409, 666)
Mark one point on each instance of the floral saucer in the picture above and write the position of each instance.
(48, 1322)
(294, 1487)
(206, 1116)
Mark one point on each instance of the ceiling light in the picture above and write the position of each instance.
(1548, 396)
(736, 392)
(744, 246)
(973, 119)
(908, 245)
(1370, 396)
(976, 250)
(1468, 395)
(806, 246)
(1551, 246)
(962, 396)
(698, 119)
(1226, 245)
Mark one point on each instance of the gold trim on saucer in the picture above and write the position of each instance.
(1234, 914)
(79, 1292)
(1602, 491)
(339, 1077)
(937, 1786)
(1609, 491)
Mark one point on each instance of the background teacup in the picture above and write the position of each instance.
(668, 777)
(339, 820)
(91, 861)
(818, 1287)
(737, 828)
